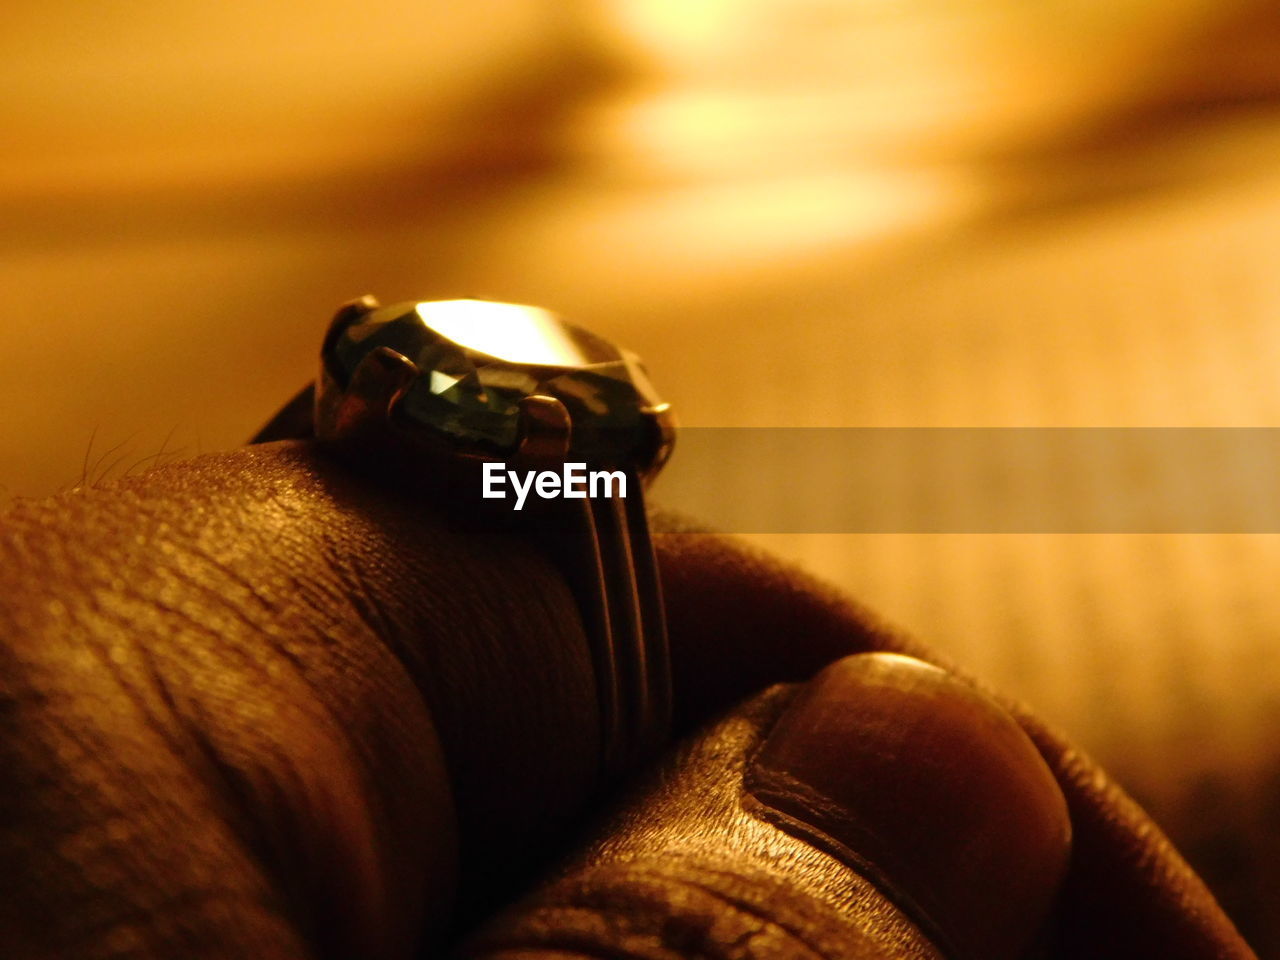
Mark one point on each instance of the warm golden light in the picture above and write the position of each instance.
(508, 331)
(801, 213)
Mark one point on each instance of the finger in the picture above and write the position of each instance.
(739, 618)
(361, 618)
(886, 810)
(241, 695)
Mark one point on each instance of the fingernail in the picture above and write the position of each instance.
(928, 787)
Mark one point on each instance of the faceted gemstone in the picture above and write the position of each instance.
(478, 359)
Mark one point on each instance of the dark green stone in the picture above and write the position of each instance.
(479, 359)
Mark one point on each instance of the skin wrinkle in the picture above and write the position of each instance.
(774, 787)
(315, 585)
(231, 782)
(794, 933)
(190, 622)
(90, 774)
(671, 916)
(261, 834)
(353, 586)
(282, 760)
(537, 953)
(153, 718)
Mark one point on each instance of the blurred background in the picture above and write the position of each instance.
(801, 213)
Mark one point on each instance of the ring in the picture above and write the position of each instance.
(507, 412)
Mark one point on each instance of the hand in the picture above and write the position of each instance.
(256, 706)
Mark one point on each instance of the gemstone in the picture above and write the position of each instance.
(478, 359)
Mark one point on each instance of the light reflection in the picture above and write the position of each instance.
(508, 331)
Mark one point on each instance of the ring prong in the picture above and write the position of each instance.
(545, 429)
(377, 385)
(347, 314)
(662, 431)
